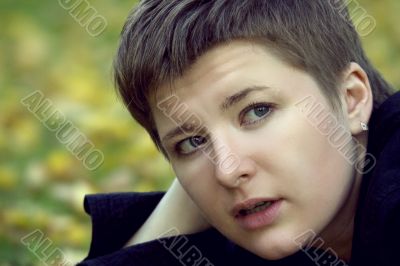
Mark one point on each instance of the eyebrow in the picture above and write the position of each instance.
(239, 96)
(181, 130)
(226, 104)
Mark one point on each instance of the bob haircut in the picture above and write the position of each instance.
(163, 38)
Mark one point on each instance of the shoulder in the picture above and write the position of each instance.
(116, 217)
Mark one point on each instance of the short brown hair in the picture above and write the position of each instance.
(163, 38)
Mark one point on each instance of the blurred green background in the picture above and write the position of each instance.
(42, 185)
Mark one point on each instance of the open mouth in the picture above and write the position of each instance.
(260, 206)
(257, 213)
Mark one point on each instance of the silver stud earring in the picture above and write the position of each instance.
(364, 126)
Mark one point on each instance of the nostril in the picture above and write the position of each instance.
(244, 176)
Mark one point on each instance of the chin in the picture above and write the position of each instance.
(273, 250)
(276, 253)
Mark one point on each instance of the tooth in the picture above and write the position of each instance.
(257, 208)
(260, 203)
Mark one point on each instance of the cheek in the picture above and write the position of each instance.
(312, 173)
(296, 148)
(303, 166)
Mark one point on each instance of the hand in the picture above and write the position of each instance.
(176, 212)
(189, 219)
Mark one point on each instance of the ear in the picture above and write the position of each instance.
(356, 97)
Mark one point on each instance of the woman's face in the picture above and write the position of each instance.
(258, 169)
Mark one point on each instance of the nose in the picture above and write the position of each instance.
(232, 164)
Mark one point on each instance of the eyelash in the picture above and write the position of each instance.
(252, 106)
(248, 108)
(180, 154)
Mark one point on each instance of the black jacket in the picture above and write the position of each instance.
(376, 242)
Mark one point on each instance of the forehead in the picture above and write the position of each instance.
(220, 65)
(218, 62)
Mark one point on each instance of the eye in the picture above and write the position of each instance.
(255, 113)
(190, 145)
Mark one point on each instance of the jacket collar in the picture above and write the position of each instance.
(383, 123)
(375, 200)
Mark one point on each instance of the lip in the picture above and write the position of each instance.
(248, 204)
(258, 219)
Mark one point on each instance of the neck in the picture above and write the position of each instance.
(338, 235)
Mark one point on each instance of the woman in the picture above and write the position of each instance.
(262, 109)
